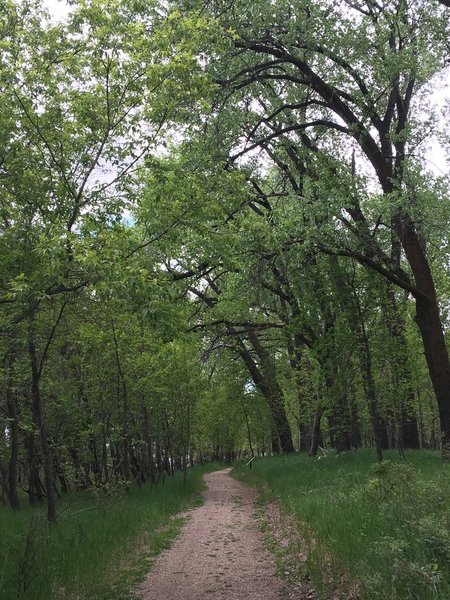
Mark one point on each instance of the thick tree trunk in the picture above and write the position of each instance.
(437, 359)
(409, 431)
(265, 380)
(275, 446)
(247, 424)
(430, 326)
(305, 436)
(295, 347)
(275, 394)
(315, 437)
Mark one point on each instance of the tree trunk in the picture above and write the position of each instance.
(305, 436)
(438, 364)
(104, 470)
(169, 457)
(272, 392)
(11, 404)
(39, 419)
(158, 455)
(34, 485)
(315, 437)
(148, 446)
(377, 424)
(125, 415)
(274, 440)
(247, 424)
(355, 428)
(430, 326)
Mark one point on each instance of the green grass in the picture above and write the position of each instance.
(385, 528)
(102, 545)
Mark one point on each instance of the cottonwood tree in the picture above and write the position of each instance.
(333, 97)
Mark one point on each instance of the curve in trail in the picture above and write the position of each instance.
(219, 553)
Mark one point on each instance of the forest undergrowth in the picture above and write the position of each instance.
(102, 546)
(379, 528)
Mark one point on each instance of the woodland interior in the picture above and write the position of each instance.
(224, 234)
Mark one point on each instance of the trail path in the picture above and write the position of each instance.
(219, 554)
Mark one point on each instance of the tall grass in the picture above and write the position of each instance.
(101, 545)
(384, 527)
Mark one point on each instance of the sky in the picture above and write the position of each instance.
(57, 8)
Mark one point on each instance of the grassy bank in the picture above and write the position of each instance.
(385, 527)
(101, 547)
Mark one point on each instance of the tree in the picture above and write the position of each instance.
(80, 111)
(327, 96)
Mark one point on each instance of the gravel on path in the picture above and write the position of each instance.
(219, 555)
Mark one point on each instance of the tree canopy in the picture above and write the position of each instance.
(220, 235)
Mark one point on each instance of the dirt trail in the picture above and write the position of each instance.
(219, 553)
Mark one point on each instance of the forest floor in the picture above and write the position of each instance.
(220, 553)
